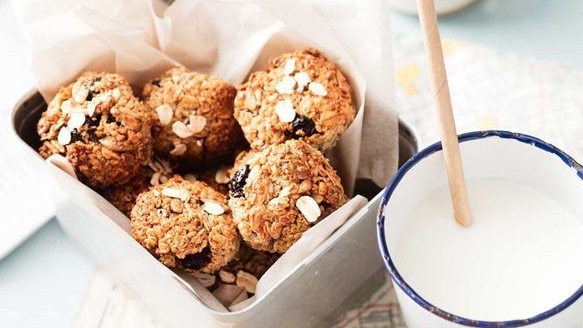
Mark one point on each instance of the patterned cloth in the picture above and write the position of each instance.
(493, 90)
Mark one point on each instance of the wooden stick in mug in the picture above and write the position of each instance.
(449, 139)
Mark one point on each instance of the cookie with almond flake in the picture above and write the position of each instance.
(281, 192)
(195, 123)
(186, 225)
(300, 95)
(100, 127)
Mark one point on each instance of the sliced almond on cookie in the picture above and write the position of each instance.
(317, 89)
(290, 66)
(179, 193)
(286, 86)
(213, 208)
(309, 208)
(64, 136)
(165, 114)
(221, 176)
(76, 120)
(196, 123)
(181, 130)
(178, 150)
(285, 111)
(302, 78)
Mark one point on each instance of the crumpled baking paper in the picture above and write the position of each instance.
(142, 38)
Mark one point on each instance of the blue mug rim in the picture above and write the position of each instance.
(411, 293)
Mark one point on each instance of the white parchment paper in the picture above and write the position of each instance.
(142, 38)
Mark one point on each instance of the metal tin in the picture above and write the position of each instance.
(322, 284)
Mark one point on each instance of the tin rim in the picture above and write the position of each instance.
(411, 293)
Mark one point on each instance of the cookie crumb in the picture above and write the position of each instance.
(205, 279)
(246, 281)
(227, 277)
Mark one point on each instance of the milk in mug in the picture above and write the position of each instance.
(522, 255)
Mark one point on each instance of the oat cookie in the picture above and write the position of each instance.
(281, 192)
(100, 127)
(301, 95)
(194, 117)
(186, 225)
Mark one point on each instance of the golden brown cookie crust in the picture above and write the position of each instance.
(304, 82)
(267, 195)
(186, 225)
(100, 127)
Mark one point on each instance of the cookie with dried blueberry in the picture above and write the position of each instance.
(281, 192)
(194, 117)
(100, 127)
(186, 225)
(300, 95)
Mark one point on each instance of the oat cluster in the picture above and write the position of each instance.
(217, 181)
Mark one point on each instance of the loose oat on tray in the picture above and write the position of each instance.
(237, 281)
(282, 192)
(100, 127)
(301, 95)
(186, 224)
(194, 112)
